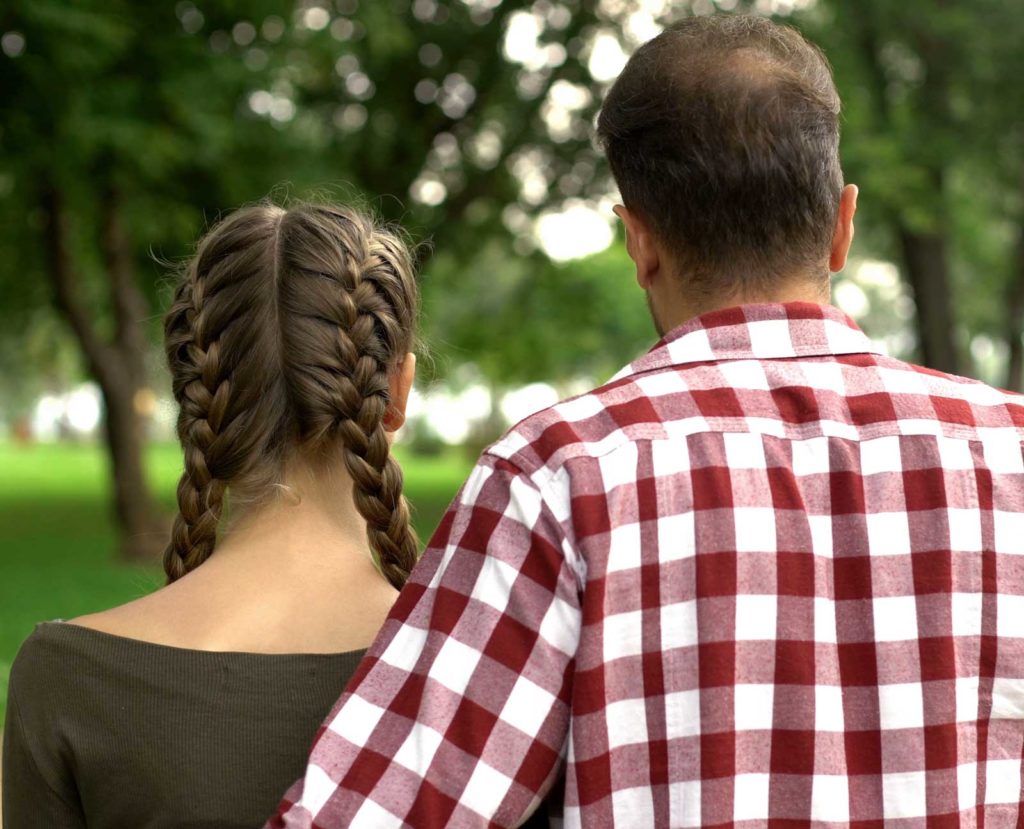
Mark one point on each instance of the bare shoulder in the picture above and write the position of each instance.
(215, 610)
(138, 619)
(184, 614)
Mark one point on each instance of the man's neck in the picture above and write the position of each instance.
(675, 309)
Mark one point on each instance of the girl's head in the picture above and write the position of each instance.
(284, 339)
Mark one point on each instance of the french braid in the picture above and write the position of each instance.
(217, 343)
(281, 337)
(351, 310)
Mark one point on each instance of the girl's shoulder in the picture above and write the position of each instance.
(44, 680)
(49, 657)
(48, 644)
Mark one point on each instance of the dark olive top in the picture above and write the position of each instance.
(104, 731)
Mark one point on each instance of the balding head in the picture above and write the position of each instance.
(723, 134)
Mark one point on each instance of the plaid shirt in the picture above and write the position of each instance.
(763, 574)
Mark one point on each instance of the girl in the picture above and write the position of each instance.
(288, 343)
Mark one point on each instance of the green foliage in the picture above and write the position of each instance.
(933, 134)
(537, 320)
(193, 109)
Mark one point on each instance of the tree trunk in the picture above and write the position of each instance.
(925, 256)
(141, 537)
(117, 365)
(926, 267)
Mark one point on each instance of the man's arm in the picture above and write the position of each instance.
(459, 713)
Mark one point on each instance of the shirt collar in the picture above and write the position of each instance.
(756, 332)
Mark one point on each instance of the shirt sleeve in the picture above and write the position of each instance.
(30, 799)
(458, 715)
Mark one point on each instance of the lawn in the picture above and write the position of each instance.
(56, 536)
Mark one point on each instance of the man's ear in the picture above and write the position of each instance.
(842, 237)
(640, 245)
(400, 384)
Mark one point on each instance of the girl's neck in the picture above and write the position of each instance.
(312, 518)
(292, 574)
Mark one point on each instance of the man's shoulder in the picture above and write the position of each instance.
(630, 408)
(970, 385)
(591, 424)
(954, 398)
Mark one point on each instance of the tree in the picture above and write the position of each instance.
(126, 125)
(98, 139)
(932, 131)
(895, 67)
(1001, 152)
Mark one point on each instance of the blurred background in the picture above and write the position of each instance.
(126, 128)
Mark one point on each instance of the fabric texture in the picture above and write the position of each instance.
(765, 573)
(104, 731)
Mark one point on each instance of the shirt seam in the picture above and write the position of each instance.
(544, 473)
(19, 724)
(541, 486)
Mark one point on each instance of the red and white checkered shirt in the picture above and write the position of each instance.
(765, 573)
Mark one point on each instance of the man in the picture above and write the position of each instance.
(765, 573)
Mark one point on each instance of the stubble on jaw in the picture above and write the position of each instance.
(654, 317)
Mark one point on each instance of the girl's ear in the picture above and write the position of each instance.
(401, 384)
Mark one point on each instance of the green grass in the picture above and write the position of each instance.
(56, 536)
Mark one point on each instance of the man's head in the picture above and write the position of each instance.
(723, 136)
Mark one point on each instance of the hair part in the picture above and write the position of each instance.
(281, 338)
(723, 134)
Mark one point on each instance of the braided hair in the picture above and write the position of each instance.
(281, 338)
